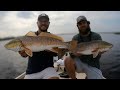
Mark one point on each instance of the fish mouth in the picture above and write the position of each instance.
(6, 46)
(111, 46)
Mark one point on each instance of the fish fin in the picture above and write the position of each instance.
(28, 52)
(95, 54)
(55, 50)
(30, 34)
(51, 35)
(72, 45)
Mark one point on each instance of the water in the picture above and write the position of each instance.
(12, 64)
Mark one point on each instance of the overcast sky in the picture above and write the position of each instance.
(18, 23)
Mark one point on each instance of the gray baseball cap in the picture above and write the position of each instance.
(81, 18)
(43, 15)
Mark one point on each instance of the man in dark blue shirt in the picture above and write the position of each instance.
(40, 65)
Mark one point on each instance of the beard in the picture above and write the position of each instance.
(43, 29)
(86, 31)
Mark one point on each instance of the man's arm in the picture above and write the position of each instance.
(98, 37)
(75, 54)
(22, 53)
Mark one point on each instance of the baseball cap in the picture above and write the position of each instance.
(81, 18)
(43, 15)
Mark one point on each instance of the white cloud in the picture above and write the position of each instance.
(14, 23)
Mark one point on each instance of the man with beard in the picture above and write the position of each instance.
(84, 63)
(40, 65)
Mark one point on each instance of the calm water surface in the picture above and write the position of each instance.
(12, 64)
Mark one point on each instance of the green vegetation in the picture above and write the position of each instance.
(7, 38)
(117, 33)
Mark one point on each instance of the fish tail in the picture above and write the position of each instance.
(72, 45)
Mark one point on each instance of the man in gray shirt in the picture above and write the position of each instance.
(84, 63)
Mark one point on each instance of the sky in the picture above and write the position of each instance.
(18, 23)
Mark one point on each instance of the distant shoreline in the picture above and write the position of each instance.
(117, 33)
(8, 38)
(96, 32)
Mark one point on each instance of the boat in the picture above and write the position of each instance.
(59, 69)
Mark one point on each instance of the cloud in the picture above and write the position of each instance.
(25, 14)
(17, 23)
(13, 25)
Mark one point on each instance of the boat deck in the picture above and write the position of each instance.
(59, 70)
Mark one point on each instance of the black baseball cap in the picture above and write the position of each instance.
(43, 15)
